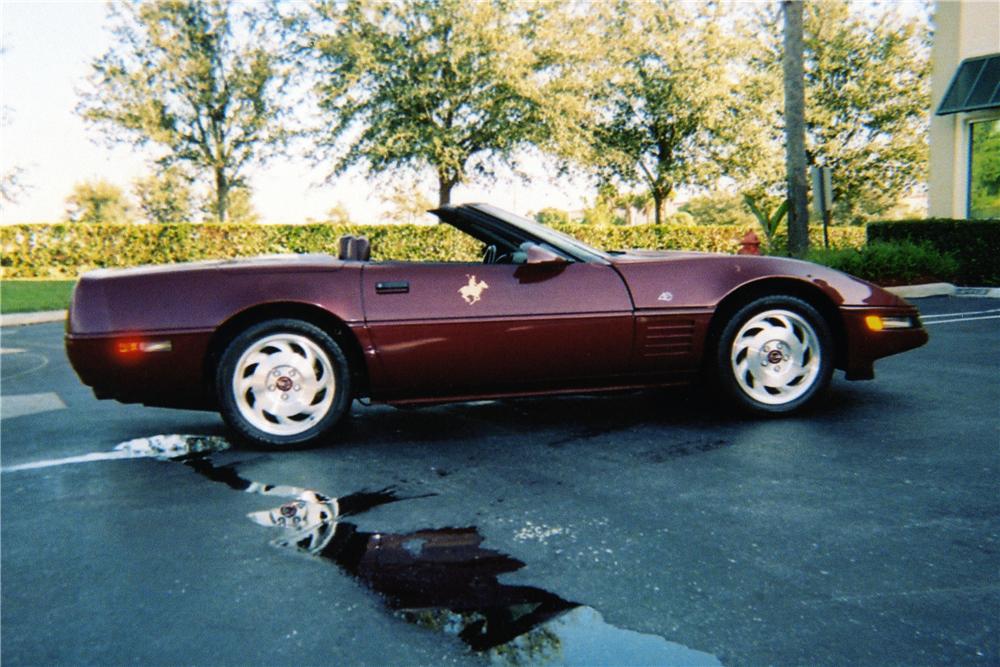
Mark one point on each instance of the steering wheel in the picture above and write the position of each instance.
(490, 254)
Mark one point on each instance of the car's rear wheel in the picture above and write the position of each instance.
(283, 384)
(775, 355)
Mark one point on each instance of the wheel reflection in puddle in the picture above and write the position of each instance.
(442, 579)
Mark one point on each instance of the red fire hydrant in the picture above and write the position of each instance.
(749, 244)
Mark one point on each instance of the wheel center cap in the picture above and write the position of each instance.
(773, 357)
(284, 383)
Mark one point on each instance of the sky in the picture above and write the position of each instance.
(47, 48)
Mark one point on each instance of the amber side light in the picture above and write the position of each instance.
(128, 347)
(881, 322)
(135, 346)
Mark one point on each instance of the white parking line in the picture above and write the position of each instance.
(20, 405)
(162, 447)
(961, 314)
(83, 458)
(962, 319)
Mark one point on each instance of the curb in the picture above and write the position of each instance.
(943, 289)
(20, 319)
(922, 291)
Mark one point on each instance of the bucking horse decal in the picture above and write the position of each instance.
(473, 292)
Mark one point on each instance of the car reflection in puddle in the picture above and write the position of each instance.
(444, 579)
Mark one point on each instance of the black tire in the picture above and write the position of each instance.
(774, 355)
(283, 384)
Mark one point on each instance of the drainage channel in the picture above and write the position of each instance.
(439, 578)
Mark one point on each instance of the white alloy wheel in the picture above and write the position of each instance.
(284, 384)
(776, 357)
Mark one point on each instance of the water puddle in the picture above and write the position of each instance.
(439, 578)
(445, 580)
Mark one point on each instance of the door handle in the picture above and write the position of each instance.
(393, 287)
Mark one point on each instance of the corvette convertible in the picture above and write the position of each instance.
(281, 345)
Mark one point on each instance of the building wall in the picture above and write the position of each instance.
(962, 29)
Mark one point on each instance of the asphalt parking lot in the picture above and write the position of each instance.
(658, 528)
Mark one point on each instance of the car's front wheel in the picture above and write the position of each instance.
(775, 355)
(283, 384)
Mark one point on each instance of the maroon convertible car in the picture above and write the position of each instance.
(281, 345)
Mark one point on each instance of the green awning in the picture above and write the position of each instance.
(976, 85)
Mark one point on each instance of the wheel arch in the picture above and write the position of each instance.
(315, 315)
(800, 289)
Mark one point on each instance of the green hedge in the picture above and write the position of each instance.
(67, 250)
(896, 263)
(974, 243)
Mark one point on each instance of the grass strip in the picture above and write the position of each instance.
(30, 296)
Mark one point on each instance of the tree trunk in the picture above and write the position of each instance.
(221, 194)
(658, 201)
(795, 141)
(445, 184)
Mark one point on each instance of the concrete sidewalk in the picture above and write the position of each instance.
(20, 319)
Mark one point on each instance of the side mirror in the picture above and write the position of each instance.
(536, 254)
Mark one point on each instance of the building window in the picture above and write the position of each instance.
(984, 169)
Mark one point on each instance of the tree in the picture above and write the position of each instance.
(165, 196)
(453, 85)
(202, 80)
(658, 106)
(407, 203)
(241, 208)
(795, 131)
(867, 99)
(97, 201)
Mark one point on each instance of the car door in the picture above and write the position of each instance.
(456, 329)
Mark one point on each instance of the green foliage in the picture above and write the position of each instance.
(165, 196)
(201, 79)
(240, 209)
(718, 208)
(553, 216)
(338, 215)
(985, 170)
(446, 84)
(407, 203)
(682, 218)
(898, 263)
(769, 222)
(975, 243)
(867, 94)
(660, 95)
(66, 250)
(601, 213)
(30, 296)
(97, 201)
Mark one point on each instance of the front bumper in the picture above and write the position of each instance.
(866, 343)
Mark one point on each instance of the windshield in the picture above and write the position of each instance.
(543, 233)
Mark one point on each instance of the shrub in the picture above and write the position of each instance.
(66, 250)
(718, 208)
(552, 216)
(975, 243)
(840, 238)
(899, 263)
